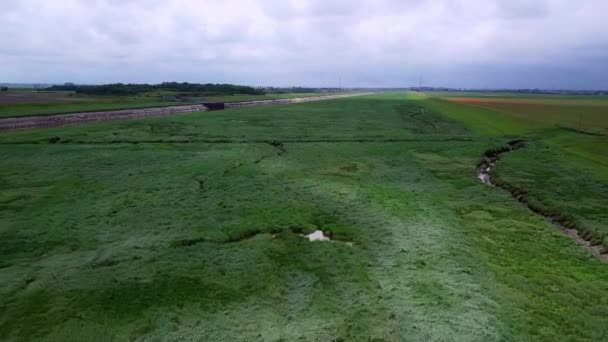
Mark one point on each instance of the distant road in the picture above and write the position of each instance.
(29, 122)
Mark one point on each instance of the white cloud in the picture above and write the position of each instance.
(302, 42)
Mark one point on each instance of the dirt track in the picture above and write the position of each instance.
(26, 122)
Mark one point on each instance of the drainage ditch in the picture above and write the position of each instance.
(565, 223)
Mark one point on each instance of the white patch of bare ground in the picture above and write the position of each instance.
(319, 235)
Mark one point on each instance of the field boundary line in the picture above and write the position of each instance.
(58, 141)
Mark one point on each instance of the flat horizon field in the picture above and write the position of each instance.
(20, 103)
(193, 227)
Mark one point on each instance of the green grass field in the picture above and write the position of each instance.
(190, 227)
(581, 113)
(17, 110)
(60, 103)
(565, 166)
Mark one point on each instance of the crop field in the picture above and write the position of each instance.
(194, 227)
(577, 113)
(568, 140)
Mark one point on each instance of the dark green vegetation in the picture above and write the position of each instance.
(188, 227)
(78, 105)
(135, 89)
(269, 96)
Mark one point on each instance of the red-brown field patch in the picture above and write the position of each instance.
(480, 100)
(541, 101)
(579, 113)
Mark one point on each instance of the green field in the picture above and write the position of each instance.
(17, 110)
(565, 166)
(581, 113)
(60, 103)
(190, 227)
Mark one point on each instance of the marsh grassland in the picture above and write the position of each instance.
(190, 227)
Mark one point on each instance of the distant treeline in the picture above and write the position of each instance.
(135, 89)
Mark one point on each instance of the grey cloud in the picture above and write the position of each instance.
(522, 9)
(298, 42)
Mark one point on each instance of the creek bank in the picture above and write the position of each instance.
(586, 238)
(491, 157)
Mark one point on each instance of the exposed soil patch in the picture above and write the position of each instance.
(188, 242)
(279, 146)
(248, 234)
(231, 238)
(486, 166)
(350, 168)
(112, 262)
(231, 168)
(105, 263)
(415, 114)
(54, 140)
(576, 130)
(201, 184)
(566, 223)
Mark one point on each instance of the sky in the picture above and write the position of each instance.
(549, 44)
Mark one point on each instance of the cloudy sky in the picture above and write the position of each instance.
(376, 43)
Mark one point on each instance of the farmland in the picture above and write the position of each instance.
(18, 103)
(579, 113)
(567, 137)
(24, 103)
(194, 226)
